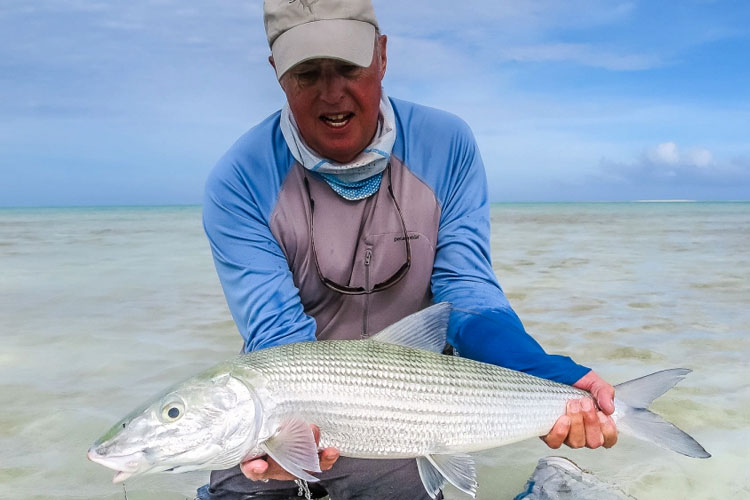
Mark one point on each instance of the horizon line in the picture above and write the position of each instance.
(516, 202)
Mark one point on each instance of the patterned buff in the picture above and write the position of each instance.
(355, 180)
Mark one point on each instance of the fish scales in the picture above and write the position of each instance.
(375, 399)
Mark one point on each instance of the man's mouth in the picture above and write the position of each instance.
(337, 120)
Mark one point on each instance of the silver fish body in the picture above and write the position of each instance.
(377, 400)
(393, 396)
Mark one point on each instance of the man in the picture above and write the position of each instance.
(347, 211)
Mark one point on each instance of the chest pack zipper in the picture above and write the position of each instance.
(365, 311)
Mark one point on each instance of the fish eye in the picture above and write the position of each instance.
(172, 411)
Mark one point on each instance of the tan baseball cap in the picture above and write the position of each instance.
(299, 30)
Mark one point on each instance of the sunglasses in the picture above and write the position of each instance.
(358, 290)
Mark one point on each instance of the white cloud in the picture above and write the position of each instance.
(667, 164)
(668, 153)
(700, 157)
(664, 154)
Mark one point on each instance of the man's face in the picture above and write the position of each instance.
(336, 104)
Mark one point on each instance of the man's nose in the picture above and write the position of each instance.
(332, 86)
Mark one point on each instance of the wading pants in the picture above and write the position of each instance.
(349, 479)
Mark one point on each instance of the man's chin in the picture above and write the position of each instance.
(340, 150)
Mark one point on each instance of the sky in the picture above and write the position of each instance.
(132, 103)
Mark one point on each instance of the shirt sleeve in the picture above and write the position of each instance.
(250, 263)
(483, 325)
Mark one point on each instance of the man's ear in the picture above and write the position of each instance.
(273, 65)
(383, 41)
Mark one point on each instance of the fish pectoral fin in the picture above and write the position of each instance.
(293, 447)
(426, 329)
(459, 470)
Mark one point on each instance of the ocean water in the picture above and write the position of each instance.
(102, 307)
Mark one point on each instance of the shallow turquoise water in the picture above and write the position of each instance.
(100, 308)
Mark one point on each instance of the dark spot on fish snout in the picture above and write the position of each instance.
(123, 425)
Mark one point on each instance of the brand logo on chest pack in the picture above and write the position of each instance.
(401, 238)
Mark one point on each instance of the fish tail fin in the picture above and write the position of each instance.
(635, 419)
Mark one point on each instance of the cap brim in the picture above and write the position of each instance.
(344, 39)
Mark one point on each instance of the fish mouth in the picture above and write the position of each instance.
(125, 466)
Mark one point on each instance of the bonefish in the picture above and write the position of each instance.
(391, 396)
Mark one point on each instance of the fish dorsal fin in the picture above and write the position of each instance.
(425, 329)
(459, 470)
(294, 448)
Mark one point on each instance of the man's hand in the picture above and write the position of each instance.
(265, 468)
(584, 424)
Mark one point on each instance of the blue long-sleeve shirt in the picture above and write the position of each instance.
(257, 214)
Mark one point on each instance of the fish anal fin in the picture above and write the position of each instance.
(426, 329)
(293, 448)
(432, 479)
(459, 470)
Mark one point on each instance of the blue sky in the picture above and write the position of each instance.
(105, 102)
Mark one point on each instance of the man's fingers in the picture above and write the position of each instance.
(609, 430)
(605, 397)
(591, 423)
(576, 436)
(603, 392)
(328, 457)
(262, 469)
(556, 436)
(265, 468)
(254, 470)
(316, 433)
